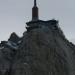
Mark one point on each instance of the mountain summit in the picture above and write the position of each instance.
(43, 50)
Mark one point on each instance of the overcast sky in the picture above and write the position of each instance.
(15, 13)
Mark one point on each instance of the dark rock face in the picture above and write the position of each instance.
(14, 38)
(43, 50)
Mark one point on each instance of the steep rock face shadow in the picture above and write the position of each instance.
(43, 50)
(47, 52)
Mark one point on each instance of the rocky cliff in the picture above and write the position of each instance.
(43, 50)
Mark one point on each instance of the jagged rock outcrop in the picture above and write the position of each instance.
(7, 54)
(43, 50)
(14, 38)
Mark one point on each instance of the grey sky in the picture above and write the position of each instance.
(15, 13)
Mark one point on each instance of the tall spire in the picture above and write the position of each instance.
(35, 3)
(35, 12)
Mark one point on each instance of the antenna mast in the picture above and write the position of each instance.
(35, 12)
